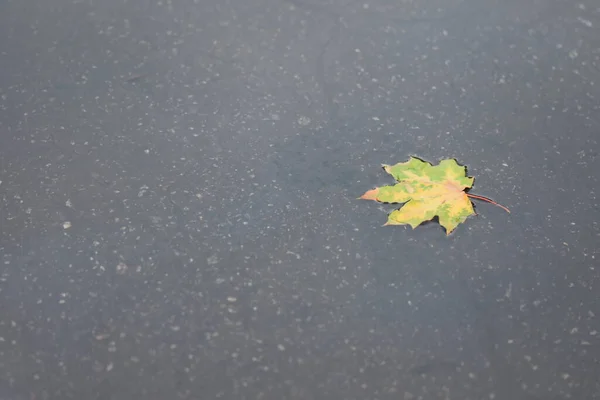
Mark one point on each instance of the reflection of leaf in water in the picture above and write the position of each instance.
(433, 367)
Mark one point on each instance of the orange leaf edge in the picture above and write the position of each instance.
(370, 195)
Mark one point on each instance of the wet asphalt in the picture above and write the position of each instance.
(179, 214)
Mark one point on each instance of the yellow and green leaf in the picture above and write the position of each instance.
(428, 191)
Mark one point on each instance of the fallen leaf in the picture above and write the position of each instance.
(428, 191)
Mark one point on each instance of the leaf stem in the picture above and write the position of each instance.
(488, 200)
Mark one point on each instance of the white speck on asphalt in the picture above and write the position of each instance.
(303, 121)
(585, 22)
(212, 260)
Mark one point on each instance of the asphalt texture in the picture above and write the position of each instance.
(179, 213)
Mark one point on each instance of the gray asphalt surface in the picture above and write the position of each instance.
(178, 185)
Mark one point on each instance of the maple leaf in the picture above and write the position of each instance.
(428, 191)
